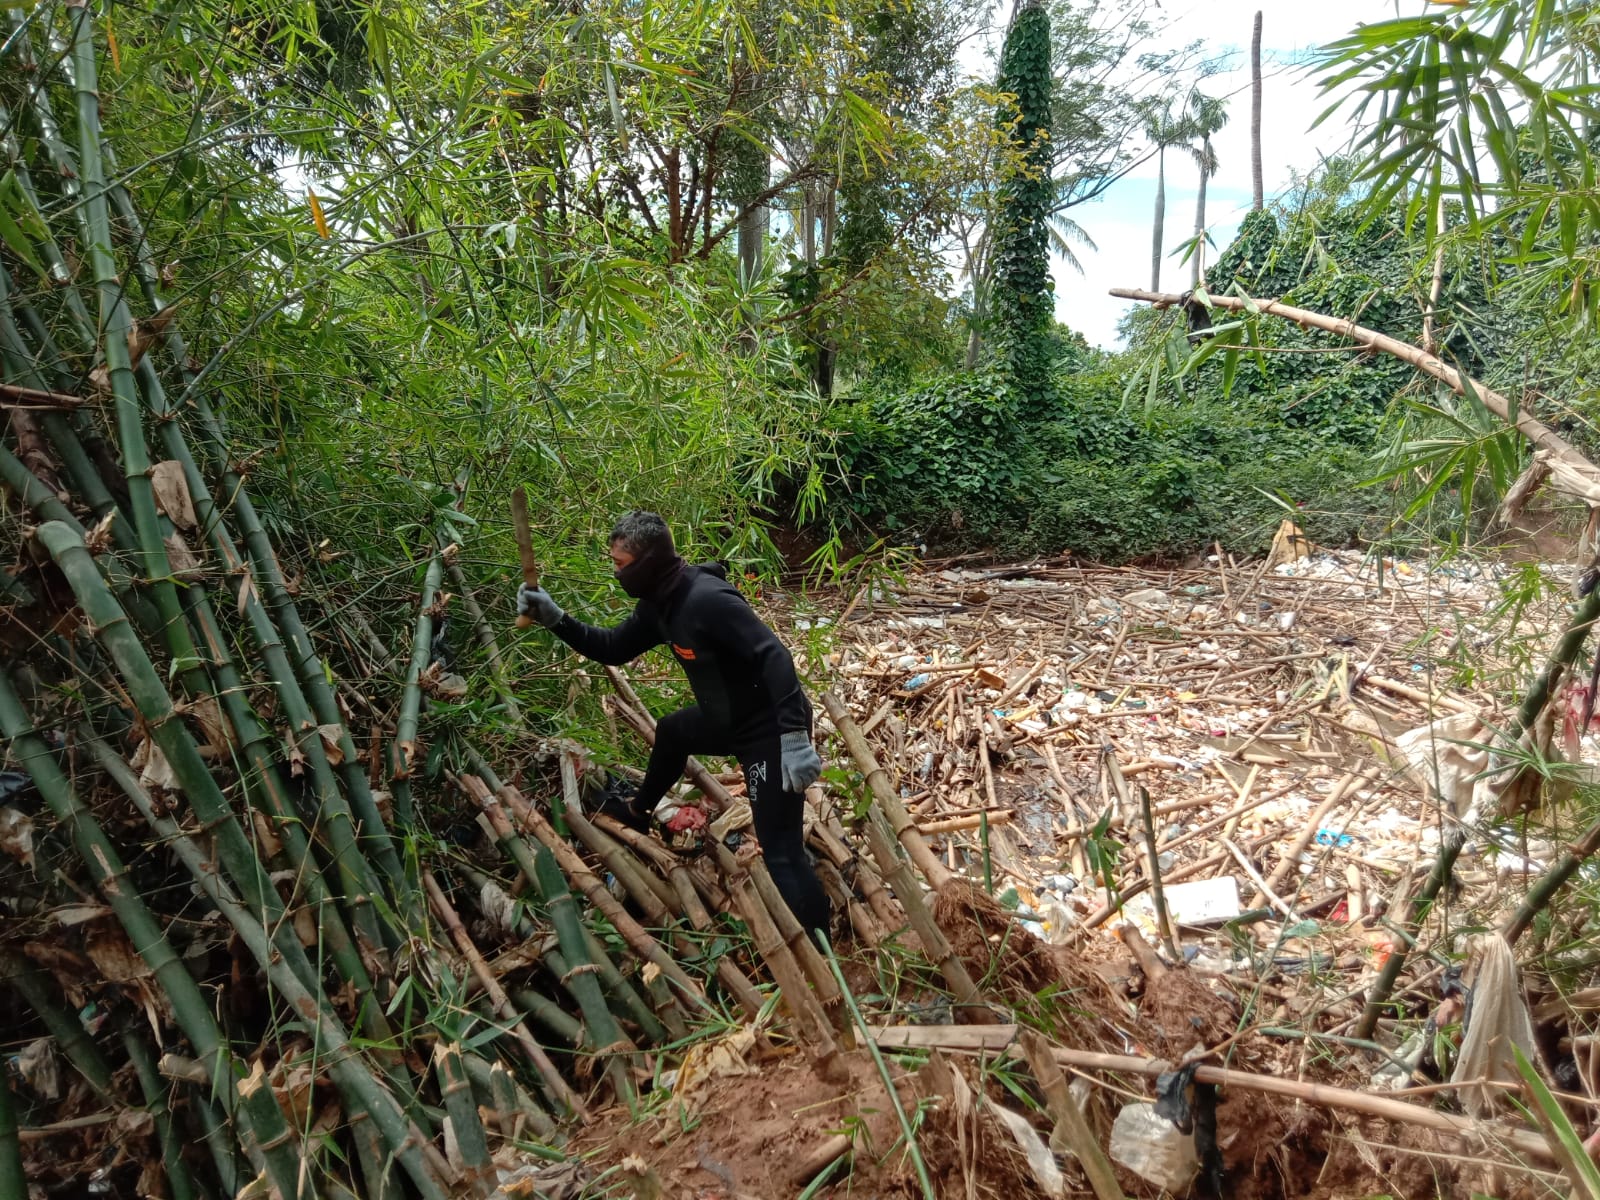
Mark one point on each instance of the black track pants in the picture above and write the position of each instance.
(778, 814)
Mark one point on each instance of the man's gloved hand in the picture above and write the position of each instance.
(802, 765)
(535, 603)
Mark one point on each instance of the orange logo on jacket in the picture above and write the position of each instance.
(682, 651)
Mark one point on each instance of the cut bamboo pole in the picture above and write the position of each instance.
(1274, 882)
(638, 938)
(560, 1091)
(471, 1141)
(605, 1037)
(797, 996)
(883, 791)
(989, 1040)
(693, 910)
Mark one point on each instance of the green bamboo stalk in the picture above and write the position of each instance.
(488, 640)
(263, 782)
(13, 1179)
(39, 993)
(115, 325)
(161, 719)
(406, 747)
(189, 1005)
(358, 883)
(655, 1029)
(332, 805)
(638, 938)
(218, 1138)
(155, 1100)
(41, 500)
(55, 262)
(605, 1036)
(456, 1089)
(359, 1087)
(549, 1014)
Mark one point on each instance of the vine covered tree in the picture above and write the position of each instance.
(1024, 290)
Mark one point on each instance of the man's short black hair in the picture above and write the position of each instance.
(639, 531)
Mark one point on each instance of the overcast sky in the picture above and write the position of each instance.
(1120, 223)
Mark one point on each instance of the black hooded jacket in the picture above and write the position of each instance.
(742, 675)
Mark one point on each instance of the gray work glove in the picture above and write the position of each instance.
(802, 765)
(535, 604)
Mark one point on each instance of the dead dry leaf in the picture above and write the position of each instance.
(331, 735)
(16, 835)
(208, 713)
(37, 1066)
(154, 769)
(114, 955)
(181, 559)
(172, 494)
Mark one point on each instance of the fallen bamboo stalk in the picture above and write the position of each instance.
(996, 1038)
(797, 996)
(639, 939)
(1000, 816)
(560, 1090)
(883, 792)
(1535, 431)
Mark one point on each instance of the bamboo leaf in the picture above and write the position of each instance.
(317, 218)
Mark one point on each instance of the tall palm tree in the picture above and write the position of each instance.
(1206, 117)
(1258, 198)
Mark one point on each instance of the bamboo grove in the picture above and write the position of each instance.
(235, 925)
(291, 937)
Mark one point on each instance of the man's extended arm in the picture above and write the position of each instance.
(613, 647)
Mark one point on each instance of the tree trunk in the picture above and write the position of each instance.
(1160, 221)
(1195, 259)
(1259, 201)
(826, 352)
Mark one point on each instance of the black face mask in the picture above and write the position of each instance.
(651, 575)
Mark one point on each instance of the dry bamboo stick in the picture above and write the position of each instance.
(887, 799)
(1279, 873)
(797, 996)
(960, 1038)
(559, 1089)
(639, 939)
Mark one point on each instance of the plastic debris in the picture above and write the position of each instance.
(1153, 1148)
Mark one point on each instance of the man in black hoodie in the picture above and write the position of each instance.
(749, 701)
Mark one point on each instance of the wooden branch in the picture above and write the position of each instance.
(1537, 432)
(992, 1038)
(15, 396)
